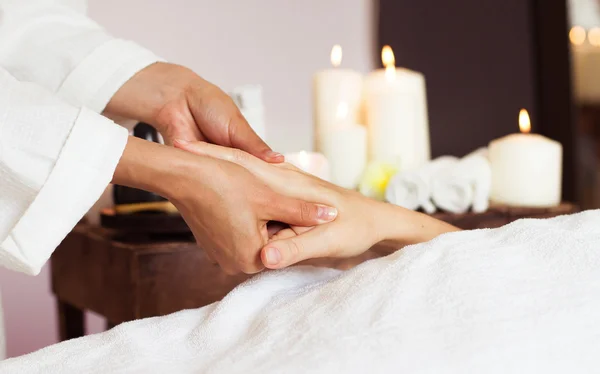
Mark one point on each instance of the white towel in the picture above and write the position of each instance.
(466, 184)
(524, 298)
(412, 189)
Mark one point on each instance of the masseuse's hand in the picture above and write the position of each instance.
(182, 105)
(226, 207)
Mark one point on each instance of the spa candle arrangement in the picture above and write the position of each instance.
(585, 48)
(526, 168)
(346, 149)
(310, 162)
(396, 110)
(330, 88)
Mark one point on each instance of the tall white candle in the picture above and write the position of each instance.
(332, 87)
(346, 150)
(526, 168)
(396, 109)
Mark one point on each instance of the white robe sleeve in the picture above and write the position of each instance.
(55, 161)
(56, 46)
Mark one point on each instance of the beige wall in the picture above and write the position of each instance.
(276, 43)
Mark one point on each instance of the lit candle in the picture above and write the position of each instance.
(332, 87)
(396, 109)
(346, 149)
(526, 168)
(310, 162)
(585, 50)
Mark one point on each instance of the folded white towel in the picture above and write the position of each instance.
(466, 184)
(412, 189)
(524, 298)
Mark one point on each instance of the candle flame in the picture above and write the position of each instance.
(594, 36)
(577, 35)
(336, 55)
(387, 57)
(342, 111)
(389, 61)
(524, 121)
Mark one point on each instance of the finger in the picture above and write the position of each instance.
(298, 212)
(251, 163)
(243, 137)
(312, 244)
(299, 230)
(211, 257)
(224, 153)
(283, 234)
(178, 123)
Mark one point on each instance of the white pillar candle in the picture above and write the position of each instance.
(586, 62)
(526, 168)
(346, 150)
(396, 110)
(332, 87)
(310, 162)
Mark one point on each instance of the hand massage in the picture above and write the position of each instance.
(523, 297)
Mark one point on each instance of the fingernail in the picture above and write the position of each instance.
(181, 141)
(272, 256)
(275, 155)
(326, 213)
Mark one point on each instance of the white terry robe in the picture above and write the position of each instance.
(55, 159)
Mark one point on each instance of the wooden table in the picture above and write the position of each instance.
(125, 277)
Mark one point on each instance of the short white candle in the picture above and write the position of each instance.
(346, 150)
(310, 162)
(332, 87)
(396, 110)
(526, 168)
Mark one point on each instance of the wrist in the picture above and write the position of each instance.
(153, 167)
(401, 227)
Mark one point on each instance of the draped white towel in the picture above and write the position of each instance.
(412, 189)
(465, 184)
(524, 298)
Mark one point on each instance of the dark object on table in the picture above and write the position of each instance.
(160, 223)
(124, 277)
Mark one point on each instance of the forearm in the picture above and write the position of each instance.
(402, 227)
(154, 167)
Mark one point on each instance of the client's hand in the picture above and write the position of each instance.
(361, 222)
(226, 207)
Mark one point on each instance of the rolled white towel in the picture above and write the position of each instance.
(408, 190)
(465, 184)
(412, 189)
(477, 165)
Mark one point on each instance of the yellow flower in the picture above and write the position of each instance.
(375, 179)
